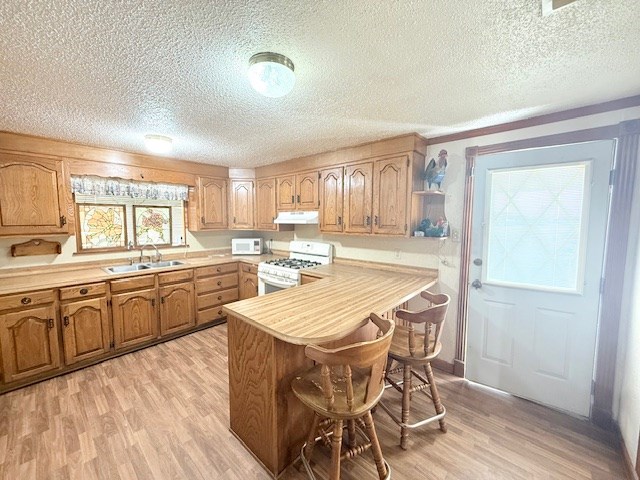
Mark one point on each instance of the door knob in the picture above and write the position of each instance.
(476, 284)
(477, 261)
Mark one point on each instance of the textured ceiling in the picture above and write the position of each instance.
(106, 73)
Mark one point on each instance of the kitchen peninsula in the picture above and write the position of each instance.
(267, 336)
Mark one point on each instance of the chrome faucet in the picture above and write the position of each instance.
(158, 254)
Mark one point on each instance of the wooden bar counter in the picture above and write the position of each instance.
(267, 336)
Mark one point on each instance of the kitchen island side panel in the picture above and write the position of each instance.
(263, 411)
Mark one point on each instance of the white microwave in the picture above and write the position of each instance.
(246, 246)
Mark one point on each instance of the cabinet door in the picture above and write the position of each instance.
(307, 191)
(331, 200)
(242, 204)
(390, 196)
(213, 203)
(32, 196)
(29, 343)
(358, 188)
(134, 318)
(287, 193)
(177, 308)
(266, 207)
(248, 285)
(85, 329)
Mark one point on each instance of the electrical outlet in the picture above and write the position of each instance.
(455, 234)
(397, 253)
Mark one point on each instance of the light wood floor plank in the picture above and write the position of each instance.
(162, 413)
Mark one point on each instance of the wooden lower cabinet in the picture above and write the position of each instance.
(85, 329)
(29, 342)
(135, 318)
(248, 287)
(177, 308)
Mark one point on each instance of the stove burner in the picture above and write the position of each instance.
(292, 263)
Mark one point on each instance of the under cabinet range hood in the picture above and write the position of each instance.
(297, 218)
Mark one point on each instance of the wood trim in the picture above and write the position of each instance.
(619, 104)
(638, 459)
(465, 256)
(14, 142)
(381, 148)
(626, 161)
(442, 365)
(631, 474)
(627, 157)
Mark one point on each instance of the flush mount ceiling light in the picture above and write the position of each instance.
(158, 143)
(271, 74)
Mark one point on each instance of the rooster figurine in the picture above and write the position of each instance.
(434, 172)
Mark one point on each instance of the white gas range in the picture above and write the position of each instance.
(282, 273)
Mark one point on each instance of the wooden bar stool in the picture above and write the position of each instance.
(414, 350)
(342, 388)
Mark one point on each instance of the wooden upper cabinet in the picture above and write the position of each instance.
(135, 319)
(307, 191)
(298, 192)
(177, 308)
(266, 204)
(390, 195)
(287, 192)
(29, 343)
(242, 204)
(358, 194)
(85, 329)
(331, 200)
(33, 196)
(213, 203)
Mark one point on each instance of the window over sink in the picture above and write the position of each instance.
(113, 214)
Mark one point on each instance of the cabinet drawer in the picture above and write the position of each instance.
(175, 277)
(249, 268)
(26, 299)
(209, 315)
(217, 298)
(216, 269)
(144, 281)
(213, 284)
(80, 291)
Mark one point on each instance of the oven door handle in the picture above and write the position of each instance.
(277, 282)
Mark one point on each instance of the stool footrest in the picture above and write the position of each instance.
(421, 423)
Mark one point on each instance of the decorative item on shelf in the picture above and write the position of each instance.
(430, 229)
(434, 173)
(36, 247)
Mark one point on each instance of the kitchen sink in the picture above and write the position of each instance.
(142, 266)
(168, 263)
(127, 268)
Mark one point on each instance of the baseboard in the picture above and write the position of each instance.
(442, 365)
(603, 419)
(458, 368)
(628, 465)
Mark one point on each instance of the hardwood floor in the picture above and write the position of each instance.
(162, 413)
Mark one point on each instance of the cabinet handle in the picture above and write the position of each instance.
(161, 299)
(375, 220)
(84, 291)
(219, 282)
(50, 323)
(219, 312)
(339, 220)
(219, 297)
(218, 269)
(25, 301)
(293, 199)
(63, 221)
(66, 321)
(368, 221)
(153, 302)
(298, 198)
(202, 220)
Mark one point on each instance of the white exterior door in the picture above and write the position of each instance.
(538, 237)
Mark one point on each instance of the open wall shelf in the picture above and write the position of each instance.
(428, 204)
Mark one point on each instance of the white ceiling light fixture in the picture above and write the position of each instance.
(158, 143)
(271, 74)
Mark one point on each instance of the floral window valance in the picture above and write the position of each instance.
(92, 185)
